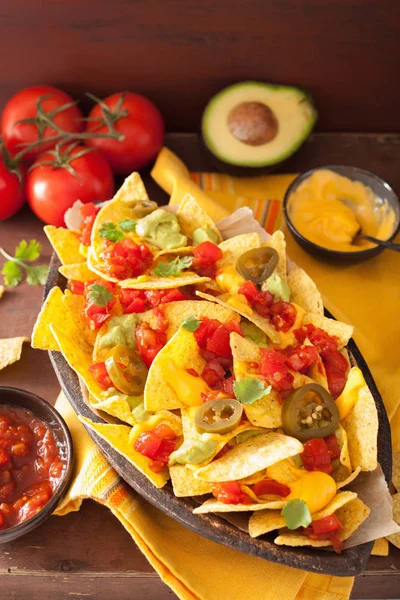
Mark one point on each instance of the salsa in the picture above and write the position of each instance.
(31, 466)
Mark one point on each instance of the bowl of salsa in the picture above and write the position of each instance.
(35, 461)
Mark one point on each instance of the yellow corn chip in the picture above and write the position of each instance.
(65, 243)
(74, 303)
(361, 426)
(342, 331)
(380, 547)
(52, 310)
(185, 484)
(118, 437)
(343, 482)
(235, 247)
(250, 456)
(10, 350)
(304, 292)
(278, 243)
(396, 470)
(212, 505)
(394, 538)
(152, 282)
(191, 216)
(79, 272)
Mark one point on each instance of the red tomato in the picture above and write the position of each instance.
(157, 445)
(100, 374)
(229, 492)
(301, 358)
(88, 213)
(206, 256)
(126, 259)
(260, 301)
(316, 456)
(284, 315)
(149, 342)
(147, 444)
(227, 386)
(213, 374)
(24, 106)
(138, 121)
(165, 432)
(76, 287)
(132, 301)
(274, 370)
(12, 188)
(333, 446)
(97, 315)
(270, 486)
(326, 525)
(51, 189)
(336, 369)
(205, 331)
(137, 301)
(318, 337)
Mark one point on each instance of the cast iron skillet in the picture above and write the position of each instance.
(351, 562)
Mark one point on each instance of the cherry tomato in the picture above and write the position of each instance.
(230, 492)
(24, 106)
(12, 188)
(52, 188)
(140, 124)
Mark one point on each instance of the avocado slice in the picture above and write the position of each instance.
(255, 124)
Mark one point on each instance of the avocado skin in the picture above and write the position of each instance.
(246, 170)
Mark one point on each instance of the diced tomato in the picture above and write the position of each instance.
(126, 258)
(326, 525)
(316, 456)
(213, 374)
(301, 358)
(318, 337)
(227, 386)
(132, 301)
(250, 292)
(206, 255)
(97, 315)
(205, 331)
(157, 445)
(192, 372)
(284, 315)
(150, 341)
(229, 492)
(100, 374)
(213, 336)
(274, 370)
(333, 446)
(260, 301)
(336, 370)
(88, 213)
(137, 301)
(76, 287)
(270, 486)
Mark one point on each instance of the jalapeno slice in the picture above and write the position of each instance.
(218, 416)
(127, 371)
(257, 264)
(141, 208)
(309, 412)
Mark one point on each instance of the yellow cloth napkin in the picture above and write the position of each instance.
(193, 567)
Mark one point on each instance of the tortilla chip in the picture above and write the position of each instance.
(361, 426)
(304, 292)
(342, 483)
(191, 216)
(342, 331)
(250, 456)
(152, 282)
(10, 350)
(79, 272)
(260, 322)
(1, 290)
(213, 505)
(74, 303)
(120, 406)
(97, 267)
(183, 350)
(52, 308)
(380, 547)
(255, 478)
(351, 515)
(66, 244)
(277, 241)
(394, 538)
(235, 247)
(396, 470)
(185, 484)
(265, 521)
(118, 437)
(337, 502)
(318, 372)
(344, 457)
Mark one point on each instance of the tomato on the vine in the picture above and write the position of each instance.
(24, 106)
(60, 177)
(12, 186)
(137, 120)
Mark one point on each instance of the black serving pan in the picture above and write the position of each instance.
(349, 563)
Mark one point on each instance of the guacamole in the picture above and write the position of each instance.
(162, 229)
(253, 333)
(193, 452)
(204, 234)
(120, 330)
(278, 288)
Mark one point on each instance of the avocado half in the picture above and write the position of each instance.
(257, 125)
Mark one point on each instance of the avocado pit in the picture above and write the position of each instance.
(253, 123)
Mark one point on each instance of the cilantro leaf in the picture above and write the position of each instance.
(15, 266)
(99, 295)
(12, 274)
(26, 251)
(191, 323)
(127, 225)
(173, 268)
(249, 390)
(296, 514)
(110, 232)
(37, 275)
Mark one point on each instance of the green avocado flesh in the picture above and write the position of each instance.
(254, 124)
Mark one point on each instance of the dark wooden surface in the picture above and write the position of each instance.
(180, 52)
(88, 554)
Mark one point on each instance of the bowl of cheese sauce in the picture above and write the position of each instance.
(327, 208)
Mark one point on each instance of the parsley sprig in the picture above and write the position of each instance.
(249, 390)
(174, 267)
(99, 295)
(14, 267)
(191, 323)
(114, 232)
(296, 514)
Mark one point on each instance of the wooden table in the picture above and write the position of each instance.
(89, 554)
